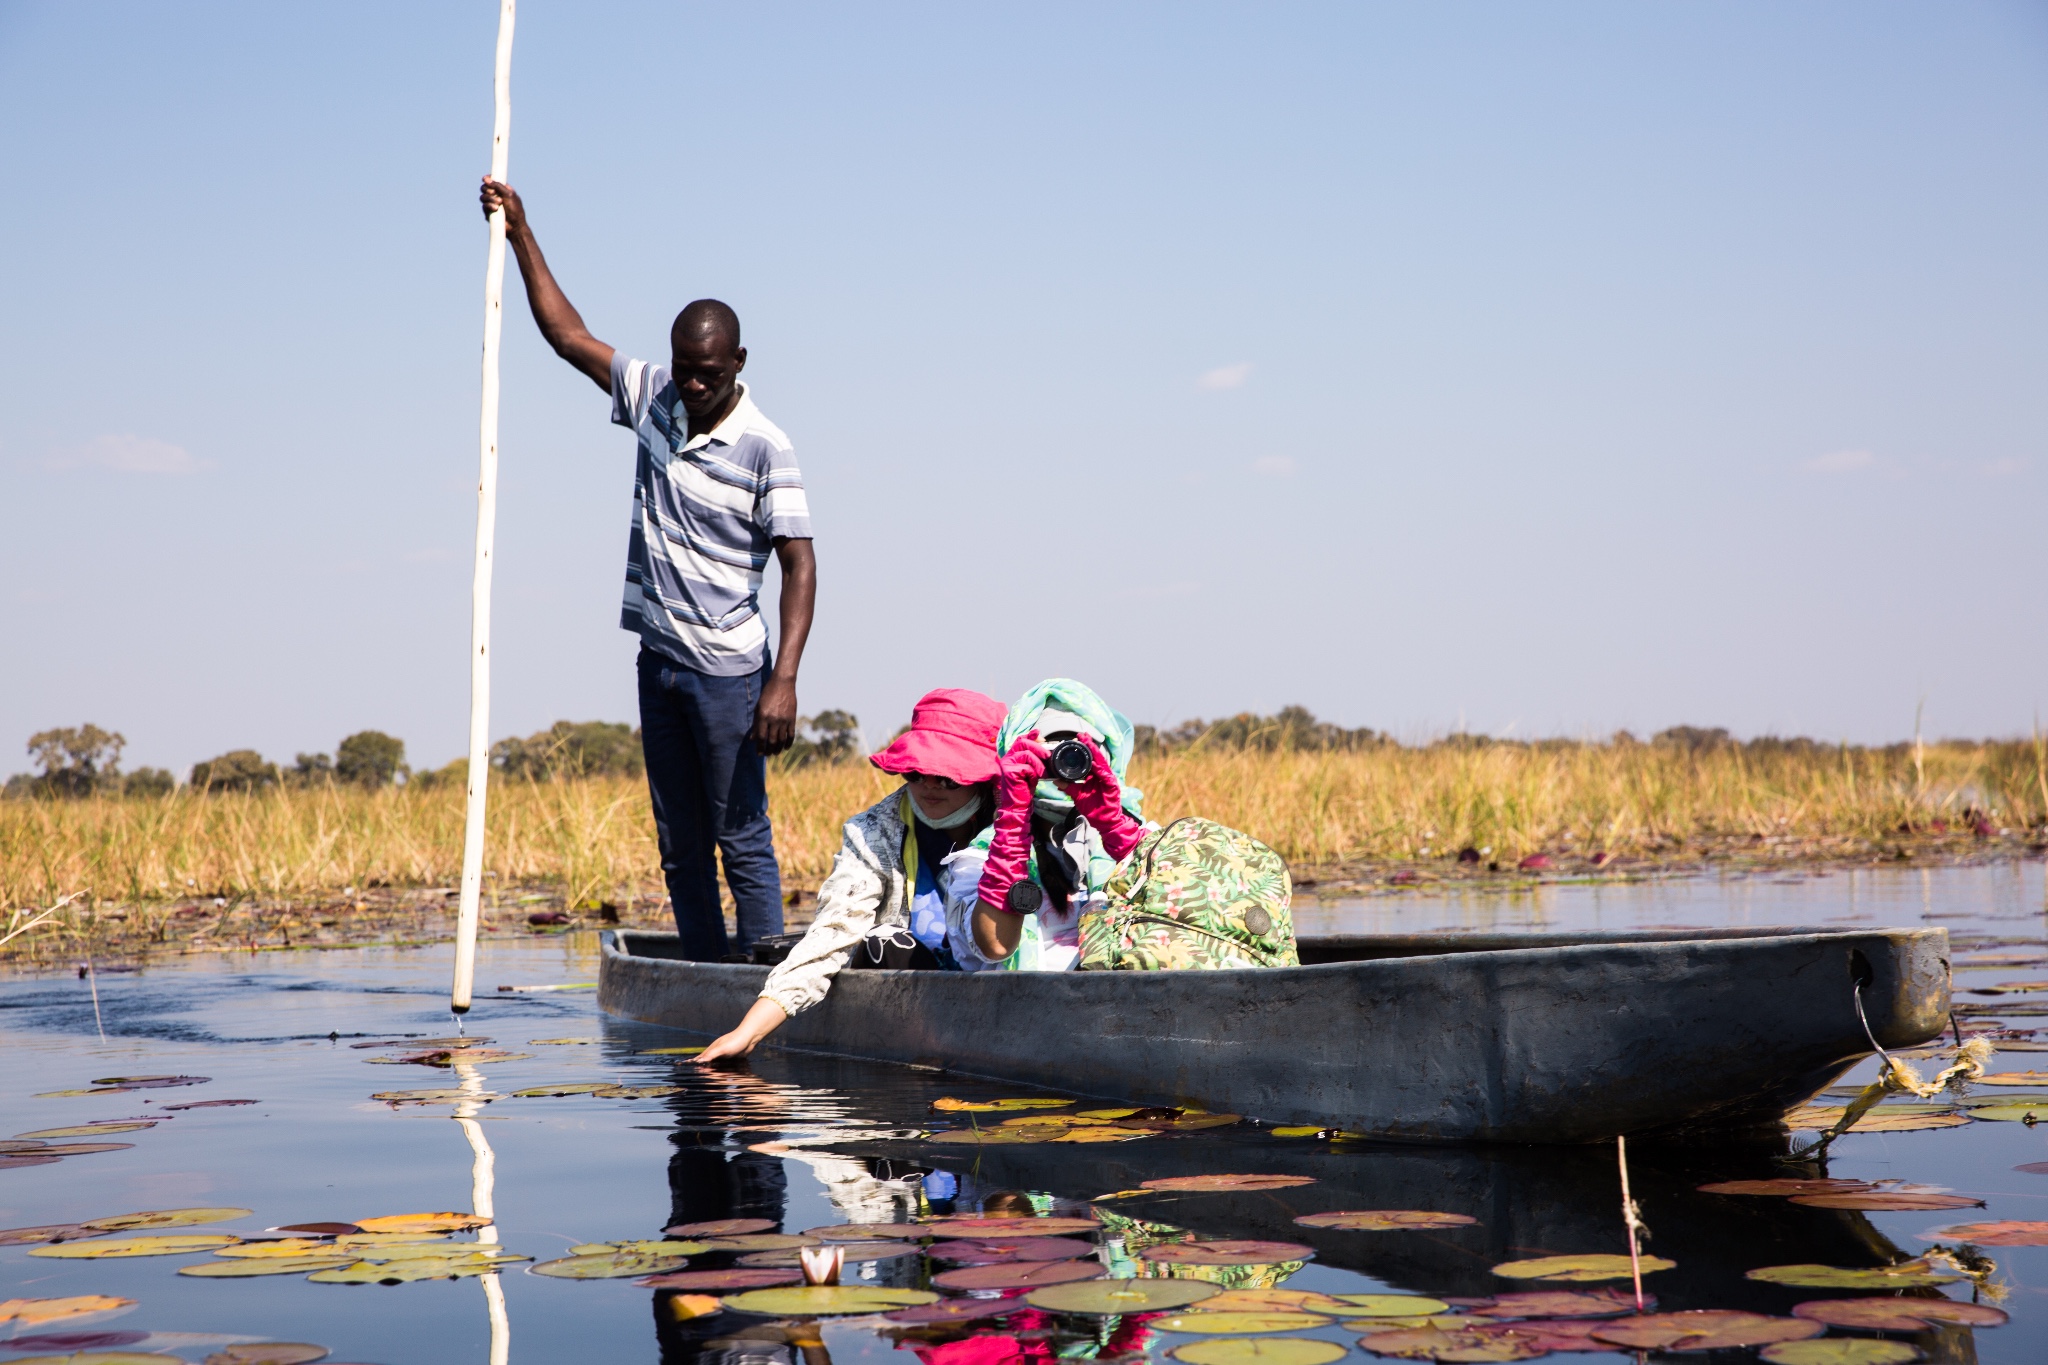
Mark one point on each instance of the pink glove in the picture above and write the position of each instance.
(1009, 848)
(1101, 803)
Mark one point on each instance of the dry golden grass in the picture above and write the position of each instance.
(593, 839)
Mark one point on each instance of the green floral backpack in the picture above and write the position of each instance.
(1193, 895)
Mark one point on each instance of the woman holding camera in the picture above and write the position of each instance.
(1074, 878)
(907, 866)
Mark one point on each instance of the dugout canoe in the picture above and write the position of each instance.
(1547, 1038)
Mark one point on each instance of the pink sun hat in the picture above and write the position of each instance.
(952, 734)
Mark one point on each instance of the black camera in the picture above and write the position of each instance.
(1069, 761)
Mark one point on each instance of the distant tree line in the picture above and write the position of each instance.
(85, 760)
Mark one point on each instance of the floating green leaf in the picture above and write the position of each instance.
(404, 1272)
(280, 1246)
(2014, 1078)
(951, 1105)
(1001, 1227)
(167, 1244)
(858, 1232)
(674, 1051)
(610, 1265)
(268, 1353)
(1384, 1220)
(1434, 1343)
(1202, 1322)
(166, 1218)
(1105, 1297)
(31, 1312)
(636, 1092)
(825, 1300)
(2030, 1112)
(1259, 1351)
(760, 1241)
(721, 1279)
(1841, 1351)
(563, 1042)
(723, 1227)
(1578, 1268)
(564, 1088)
(1308, 1301)
(280, 1265)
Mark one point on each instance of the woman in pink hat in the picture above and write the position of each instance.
(907, 865)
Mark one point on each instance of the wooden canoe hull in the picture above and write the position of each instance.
(1550, 1038)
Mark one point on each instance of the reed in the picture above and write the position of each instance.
(591, 839)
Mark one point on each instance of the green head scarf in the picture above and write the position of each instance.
(1111, 729)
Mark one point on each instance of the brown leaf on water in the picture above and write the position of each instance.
(1229, 1251)
(426, 1042)
(1228, 1182)
(158, 1244)
(2014, 1078)
(857, 1232)
(1021, 1275)
(2011, 1232)
(1002, 1227)
(1786, 1186)
(1563, 1303)
(210, 1104)
(47, 1232)
(1874, 1201)
(747, 1278)
(151, 1082)
(1704, 1329)
(14, 1160)
(722, 1227)
(1898, 1315)
(268, 1353)
(1009, 1250)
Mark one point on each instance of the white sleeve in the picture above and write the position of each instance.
(961, 890)
(849, 902)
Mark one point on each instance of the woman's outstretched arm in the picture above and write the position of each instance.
(761, 1020)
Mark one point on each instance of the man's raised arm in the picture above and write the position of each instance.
(559, 321)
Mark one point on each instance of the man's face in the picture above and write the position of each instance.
(705, 368)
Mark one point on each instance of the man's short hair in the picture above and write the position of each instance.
(708, 318)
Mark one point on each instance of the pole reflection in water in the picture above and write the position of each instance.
(483, 1180)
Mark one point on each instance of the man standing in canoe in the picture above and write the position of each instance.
(715, 489)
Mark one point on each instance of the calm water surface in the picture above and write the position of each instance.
(808, 1142)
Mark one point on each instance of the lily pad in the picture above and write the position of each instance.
(450, 1056)
(320, 1229)
(1228, 1182)
(2011, 1113)
(636, 1092)
(1182, 1123)
(47, 1232)
(1899, 1315)
(562, 1042)
(1434, 1343)
(1384, 1220)
(435, 1096)
(2014, 1078)
(1583, 1269)
(760, 1241)
(62, 1149)
(268, 1353)
(1023, 1275)
(165, 1244)
(405, 1272)
(826, 1300)
(1006, 1250)
(210, 1104)
(1202, 1322)
(10, 1161)
(166, 1218)
(100, 1358)
(721, 1279)
(674, 1051)
(1233, 1251)
(1906, 1275)
(1786, 1187)
(1890, 1118)
(1259, 1351)
(989, 1137)
(86, 1130)
(565, 1088)
(1546, 1334)
(1309, 1301)
(280, 1246)
(722, 1227)
(956, 1310)
(151, 1082)
(1878, 1201)
(1105, 1297)
(609, 1265)
(859, 1232)
(67, 1094)
(1003, 1227)
(1841, 1351)
(1562, 1303)
(281, 1265)
(76, 1341)
(30, 1312)
(1704, 1329)
(2008, 1233)
(425, 1042)
(656, 1246)
(952, 1106)
(414, 1223)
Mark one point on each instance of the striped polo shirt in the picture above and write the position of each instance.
(706, 512)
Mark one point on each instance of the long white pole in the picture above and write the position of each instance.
(486, 526)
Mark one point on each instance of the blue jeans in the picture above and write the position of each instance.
(709, 786)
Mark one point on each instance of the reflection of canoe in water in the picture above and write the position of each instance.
(1443, 1037)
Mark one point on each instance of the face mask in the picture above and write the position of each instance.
(953, 821)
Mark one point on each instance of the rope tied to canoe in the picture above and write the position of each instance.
(1895, 1077)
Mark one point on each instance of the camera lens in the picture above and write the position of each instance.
(1070, 761)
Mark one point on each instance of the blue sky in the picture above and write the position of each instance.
(1534, 369)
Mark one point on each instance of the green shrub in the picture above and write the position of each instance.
(368, 758)
(237, 770)
(570, 748)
